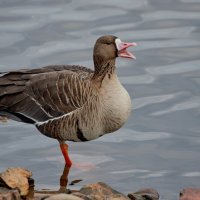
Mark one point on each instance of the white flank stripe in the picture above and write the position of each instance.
(44, 122)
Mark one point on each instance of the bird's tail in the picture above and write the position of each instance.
(13, 98)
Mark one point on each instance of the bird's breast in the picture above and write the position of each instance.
(116, 106)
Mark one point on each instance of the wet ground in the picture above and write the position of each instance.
(159, 145)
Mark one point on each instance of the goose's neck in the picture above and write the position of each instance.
(103, 69)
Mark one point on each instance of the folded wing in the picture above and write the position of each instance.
(44, 93)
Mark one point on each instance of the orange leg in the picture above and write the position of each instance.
(64, 149)
(68, 164)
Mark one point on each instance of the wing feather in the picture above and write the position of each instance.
(45, 93)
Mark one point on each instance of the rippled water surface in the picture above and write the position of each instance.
(159, 146)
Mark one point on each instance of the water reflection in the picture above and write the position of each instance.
(131, 135)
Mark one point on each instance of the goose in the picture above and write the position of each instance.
(70, 102)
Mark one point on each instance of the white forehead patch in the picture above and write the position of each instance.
(118, 42)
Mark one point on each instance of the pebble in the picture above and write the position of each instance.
(7, 194)
(144, 194)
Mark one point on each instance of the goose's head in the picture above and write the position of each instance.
(109, 47)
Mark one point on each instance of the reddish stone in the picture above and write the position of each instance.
(190, 194)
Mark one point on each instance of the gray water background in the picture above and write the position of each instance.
(159, 146)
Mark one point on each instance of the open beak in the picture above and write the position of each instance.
(122, 49)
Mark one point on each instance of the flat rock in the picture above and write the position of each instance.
(190, 194)
(17, 178)
(100, 191)
(144, 194)
(63, 197)
(39, 196)
(82, 196)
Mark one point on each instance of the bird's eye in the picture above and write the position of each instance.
(108, 43)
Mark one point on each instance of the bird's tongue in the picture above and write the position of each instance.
(122, 49)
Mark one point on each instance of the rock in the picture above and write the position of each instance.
(101, 191)
(15, 183)
(6, 194)
(17, 178)
(190, 194)
(82, 196)
(38, 196)
(144, 194)
(63, 197)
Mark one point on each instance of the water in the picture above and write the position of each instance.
(159, 145)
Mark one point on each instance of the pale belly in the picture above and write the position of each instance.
(111, 113)
(117, 108)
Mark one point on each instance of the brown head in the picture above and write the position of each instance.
(107, 48)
